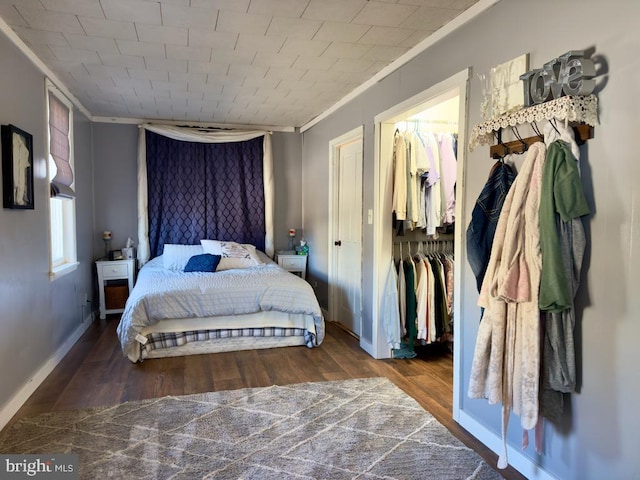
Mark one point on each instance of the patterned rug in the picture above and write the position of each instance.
(364, 429)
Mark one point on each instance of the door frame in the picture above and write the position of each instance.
(382, 231)
(355, 135)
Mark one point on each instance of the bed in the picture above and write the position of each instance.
(247, 302)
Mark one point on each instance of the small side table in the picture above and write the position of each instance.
(293, 263)
(115, 275)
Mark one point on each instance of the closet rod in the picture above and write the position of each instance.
(582, 133)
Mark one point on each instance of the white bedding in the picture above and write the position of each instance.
(162, 294)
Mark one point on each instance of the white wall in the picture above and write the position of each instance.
(598, 440)
(38, 316)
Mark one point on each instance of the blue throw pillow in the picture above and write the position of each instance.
(203, 263)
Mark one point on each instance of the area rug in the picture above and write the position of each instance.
(353, 429)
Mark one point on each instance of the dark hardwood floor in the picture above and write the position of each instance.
(95, 373)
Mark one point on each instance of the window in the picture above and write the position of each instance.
(62, 206)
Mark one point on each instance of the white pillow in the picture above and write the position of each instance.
(175, 257)
(234, 255)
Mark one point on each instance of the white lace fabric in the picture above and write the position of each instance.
(568, 109)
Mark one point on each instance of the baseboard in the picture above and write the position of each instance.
(517, 459)
(22, 395)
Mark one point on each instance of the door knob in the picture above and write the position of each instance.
(338, 243)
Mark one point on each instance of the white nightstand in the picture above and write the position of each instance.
(293, 263)
(114, 276)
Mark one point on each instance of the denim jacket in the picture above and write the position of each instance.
(484, 218)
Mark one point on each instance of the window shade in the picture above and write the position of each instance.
(60, 149)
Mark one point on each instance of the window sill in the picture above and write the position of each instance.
(62, 270)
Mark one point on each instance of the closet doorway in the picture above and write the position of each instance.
(345, 274)
(438, 111)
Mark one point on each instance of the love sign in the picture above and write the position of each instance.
(569, 74)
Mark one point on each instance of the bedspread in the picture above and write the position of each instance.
(161, 294)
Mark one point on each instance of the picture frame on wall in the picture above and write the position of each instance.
(17, 168)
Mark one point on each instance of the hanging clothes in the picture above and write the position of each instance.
(506, 362)
(425, 298)
(558, 370)
(484, 218)
(449, 169)
(390, 313)
(424, 179)
(399, 177)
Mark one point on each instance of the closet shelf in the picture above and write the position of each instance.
(569, 109)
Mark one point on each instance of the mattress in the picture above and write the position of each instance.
(246, 300)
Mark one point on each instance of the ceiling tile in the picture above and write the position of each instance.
(184, 3)
(191, 17)
(107, 71)
(242, 22)
(141, 11)
(452, 4)
(341, 32)
(232, 56)
(334, 10)
(121, 60)
(41, 37)
(384, 14)
(241, 71)
(164, 86)
(286, 73)
(201, 37)
(314, 63)
(136, 83)
(385, 36)
(278, 8)
(345, 50)
(89, 8)
(10, 14)
(259, 43)
(144, 49)
(385, 53)
(75, 55)
(430, 18)
(101, 27)
(186, 94)
(97, 44)
(68, 69)
(274, 60)
(148, 74)
(162, 34)
(166, 64)
(241, 6)
(260, 82)
(415, 38)
(43, 52)
(350, 65)
(314, 75)
(312, 48)
(207, 67)
(117, 91)
(293, 27)
(201, 54)
(189, 79)
(41, 19)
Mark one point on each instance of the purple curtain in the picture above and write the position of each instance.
(204, 191)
